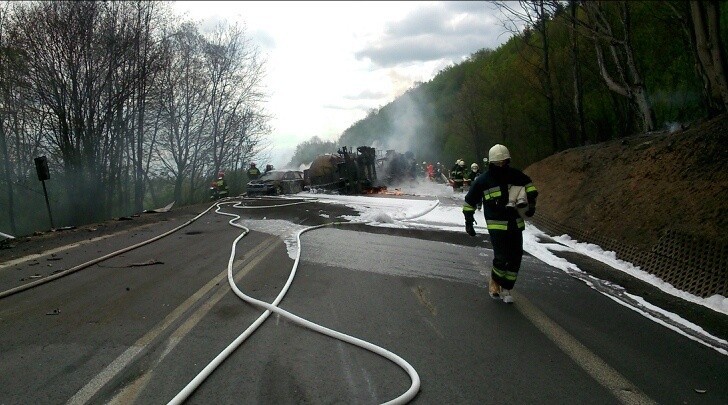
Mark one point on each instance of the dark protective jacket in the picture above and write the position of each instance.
(492, 189)
(253, 173)
(457, 173)
(221, 186)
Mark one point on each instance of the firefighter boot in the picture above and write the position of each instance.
(506, 296)
(494, 289)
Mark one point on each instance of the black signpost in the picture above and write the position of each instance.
(41, 166)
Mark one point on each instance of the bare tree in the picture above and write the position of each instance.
(535, 14)
(711, 56)
(73, 53)
(4, 99)
(608, 25)
(576, 74)
(234, 71)
(183, 92)
(147, 65)
(468, 115)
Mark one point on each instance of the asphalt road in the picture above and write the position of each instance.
(139, 326)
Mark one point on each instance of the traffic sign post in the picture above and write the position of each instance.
(41, 167)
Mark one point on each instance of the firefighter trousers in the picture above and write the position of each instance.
(507, 254)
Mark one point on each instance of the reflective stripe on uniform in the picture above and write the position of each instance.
(507, 275)
(468, 208)
(497, 225)
(494, 192)
(530, 188)
(503, 225)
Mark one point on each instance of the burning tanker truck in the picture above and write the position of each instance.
(359, 172)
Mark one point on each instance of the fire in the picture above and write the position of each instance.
(382, 190)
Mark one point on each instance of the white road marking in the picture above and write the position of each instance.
(598, 369)
(129, 355)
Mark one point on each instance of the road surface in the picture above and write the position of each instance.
(139, 326)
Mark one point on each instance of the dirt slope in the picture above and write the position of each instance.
(635, 189)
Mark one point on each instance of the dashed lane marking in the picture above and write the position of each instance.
(598, 369)
(129, 355)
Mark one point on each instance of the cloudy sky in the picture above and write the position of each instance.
(329, 63)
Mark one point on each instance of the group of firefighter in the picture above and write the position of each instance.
(219, 187)
(505, 195)
(458, 177)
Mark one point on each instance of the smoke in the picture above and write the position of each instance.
(406, 121)
(674, 126)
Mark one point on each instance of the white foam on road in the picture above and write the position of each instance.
(399, 212)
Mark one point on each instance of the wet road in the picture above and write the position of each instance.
(137, 327)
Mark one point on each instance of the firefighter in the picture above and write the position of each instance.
(440, 173)
(253, 172)
(474, 172)
(219, 188)
(430, 172)
(268, 168)
(504, 223)
(457, 175)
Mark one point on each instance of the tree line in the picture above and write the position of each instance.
(132, 106)
(573, 73)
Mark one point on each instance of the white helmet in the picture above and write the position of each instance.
(461, 163)
(498, 153)
(474, 167)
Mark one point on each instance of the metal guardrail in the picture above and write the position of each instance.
(687, 262)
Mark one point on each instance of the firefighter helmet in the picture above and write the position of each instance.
(220, 174)
(498, 153)
(252, 164)
(461, 163)
(474, 167)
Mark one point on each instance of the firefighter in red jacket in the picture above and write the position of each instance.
(505, 224)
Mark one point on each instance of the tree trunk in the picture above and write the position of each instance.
(576, 69)
(8, 179)
(627, 80)
(546, 77)
(706, 25)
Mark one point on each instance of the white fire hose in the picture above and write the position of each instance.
(273, 307)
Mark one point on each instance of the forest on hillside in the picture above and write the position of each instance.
(576, 73)
(132, 106)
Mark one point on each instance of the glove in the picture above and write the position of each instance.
(469, 220)
(529, 213)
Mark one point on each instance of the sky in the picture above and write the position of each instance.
(436, 206)
(329, 63)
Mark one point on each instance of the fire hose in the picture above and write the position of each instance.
(273, 307)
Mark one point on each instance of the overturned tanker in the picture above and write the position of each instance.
(360, 171)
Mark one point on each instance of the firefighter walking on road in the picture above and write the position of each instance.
(503, 220)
